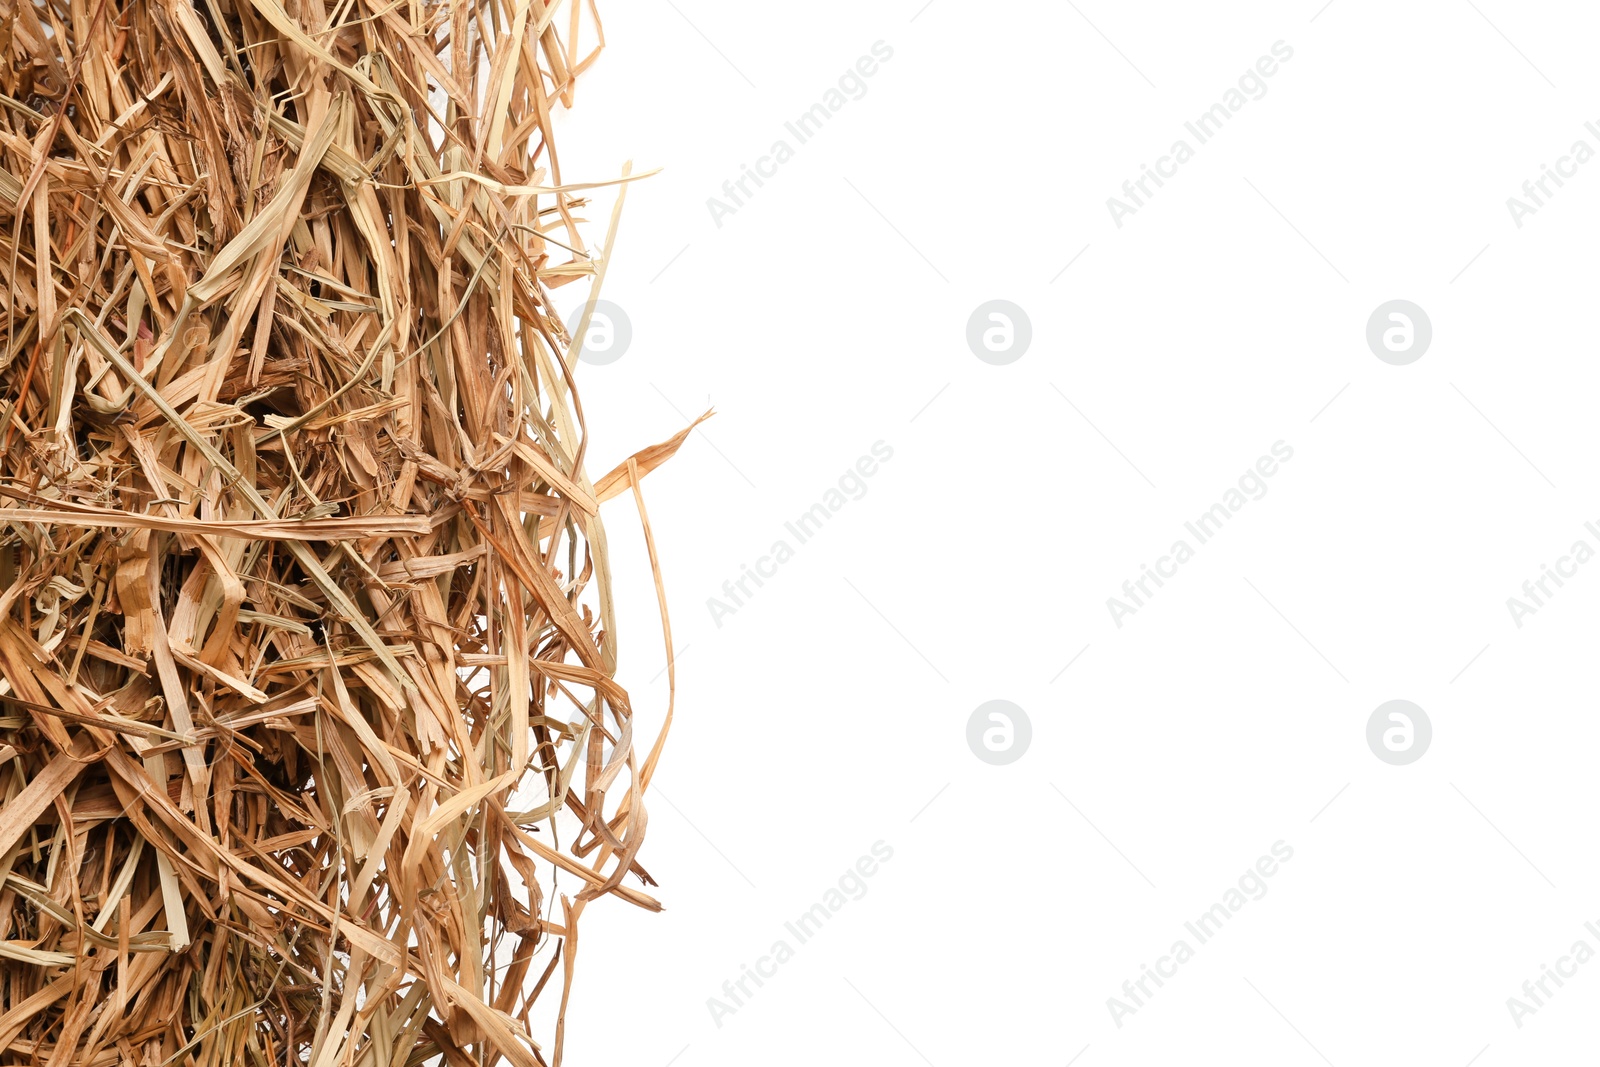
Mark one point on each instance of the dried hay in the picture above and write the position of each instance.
(305, 614)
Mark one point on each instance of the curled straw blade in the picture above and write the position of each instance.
(643, 462)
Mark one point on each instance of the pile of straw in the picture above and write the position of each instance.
(305, 614)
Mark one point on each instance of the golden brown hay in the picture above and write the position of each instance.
(305, 614)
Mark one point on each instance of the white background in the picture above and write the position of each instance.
(829, 712)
